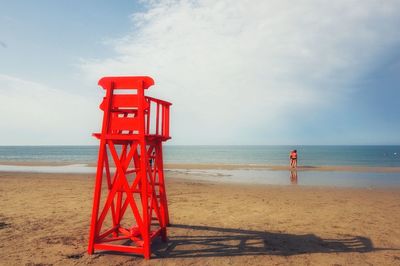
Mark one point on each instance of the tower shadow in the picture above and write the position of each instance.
(190, 241)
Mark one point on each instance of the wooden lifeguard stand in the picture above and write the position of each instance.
(134, 209)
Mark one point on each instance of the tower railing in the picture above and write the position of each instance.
(159, 127)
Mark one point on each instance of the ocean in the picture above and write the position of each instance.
(383, 156)
(76, 158)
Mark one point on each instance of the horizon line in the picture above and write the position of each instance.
(198, 145)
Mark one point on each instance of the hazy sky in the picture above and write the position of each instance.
(237, 72)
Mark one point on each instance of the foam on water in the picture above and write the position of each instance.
(73, 168)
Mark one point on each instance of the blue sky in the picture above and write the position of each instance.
(256, 72)
(45, 39)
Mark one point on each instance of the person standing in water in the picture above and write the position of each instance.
(293, 159)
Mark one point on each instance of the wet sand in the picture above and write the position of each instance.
(282, 167)
(44, 220)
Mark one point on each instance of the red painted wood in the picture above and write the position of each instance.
(130, 160)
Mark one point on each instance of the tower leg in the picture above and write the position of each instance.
(96, 197)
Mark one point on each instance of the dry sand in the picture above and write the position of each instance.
(44, 220)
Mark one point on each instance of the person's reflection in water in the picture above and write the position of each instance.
(293, 177)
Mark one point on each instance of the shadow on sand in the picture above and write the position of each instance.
(205, 241)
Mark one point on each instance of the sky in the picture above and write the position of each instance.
(255, 72)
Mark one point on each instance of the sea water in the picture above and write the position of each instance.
(76, 158)
(384, 156)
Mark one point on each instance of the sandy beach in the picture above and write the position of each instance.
(44, 220)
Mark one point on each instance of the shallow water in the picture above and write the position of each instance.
(302, 178)
(268, 177)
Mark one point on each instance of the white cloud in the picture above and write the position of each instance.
(33, 114)
(229, 65)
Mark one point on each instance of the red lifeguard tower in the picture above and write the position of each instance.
(134, 209)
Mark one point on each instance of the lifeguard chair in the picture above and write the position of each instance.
(134, 209)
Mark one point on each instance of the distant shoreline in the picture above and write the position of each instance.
(223, 166)
(342, 168)
(321, 158)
